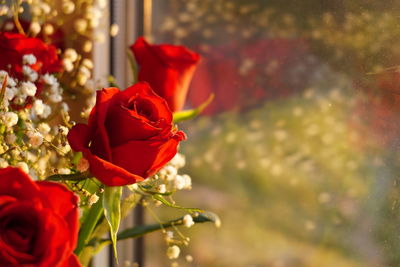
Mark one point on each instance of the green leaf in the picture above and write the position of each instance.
(169, 204)
(141, 230)
(88, 225)
(192, 113)
(112, 212)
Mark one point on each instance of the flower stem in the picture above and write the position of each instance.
(95, 213)
(17, 5)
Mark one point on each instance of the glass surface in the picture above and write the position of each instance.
(299, 152)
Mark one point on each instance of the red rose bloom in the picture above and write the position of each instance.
(167, 68)
(14, 46)
(38, 222)
(129, 136)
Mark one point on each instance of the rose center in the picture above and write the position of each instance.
(18, 233)
(143, 108)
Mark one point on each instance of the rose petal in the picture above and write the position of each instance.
(108, 173)
(14, 182)
(62, 202)
(145, 157)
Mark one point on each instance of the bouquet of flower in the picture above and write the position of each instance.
(61, 182)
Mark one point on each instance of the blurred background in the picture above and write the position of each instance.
(299, 151)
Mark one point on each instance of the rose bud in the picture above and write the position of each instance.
(167, 68)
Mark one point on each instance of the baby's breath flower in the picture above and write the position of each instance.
(35, 139)
(10, 119)
(44, 128)
(64, 107)
(93, 199)
(3, 163)
(49, 79)
(173, 252)
(55, 98)
(189, 258)
(38, 107)
(23, 166)
(35, 27)
(46, 111)
(68, 65)
(29, 59)
(28, 88)
(179, 182)
(71, 54)
(68, 7)
(161, 188)
(188, 221)
(178, 161)
(48, 29)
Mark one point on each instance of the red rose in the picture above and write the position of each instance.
(38, 222)
(129, 136)
(14, 46)
(167, 68)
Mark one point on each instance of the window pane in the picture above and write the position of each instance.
(298, 153)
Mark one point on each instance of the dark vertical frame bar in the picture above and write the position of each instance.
(112, 70)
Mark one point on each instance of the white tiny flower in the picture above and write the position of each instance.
(36, 140)
(68, 65)
(189, 258)
(188, 221)
(169, 236)
(63, 130)
(87, 63)
(64, 171)
(29, 59)
(28, 88)
(178, 161)
(3, 74)
(55, 98)
(33, 76)
(35, 27)
(49, 79)
(38, 107)
(11, 82)
(64, 107)
(173, 252)
(83, 165)
(179, 182)
(46, 111)
(23, 166)
(93, 199)
(10, 93)
(187, 181)
(33, 174)
(11, 138)
(44, 128)
(45, 7)
(82, 79)
(10, 119)
(161, 188)
(3, 10)
(71, 54)
(3, 163)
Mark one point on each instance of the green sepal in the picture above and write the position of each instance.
(192, 113)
